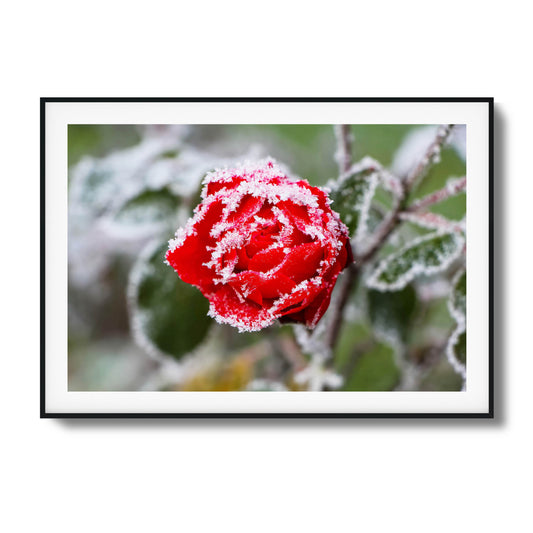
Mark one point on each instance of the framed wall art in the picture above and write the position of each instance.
(261, 257)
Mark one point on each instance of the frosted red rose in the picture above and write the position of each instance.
(262, 247)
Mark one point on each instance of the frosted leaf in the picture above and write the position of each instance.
(456, 348)
(352, 195)
(146, 213)
(392, 313)
(424, 256)
(167, 316)
(457, 301)
(97, 184)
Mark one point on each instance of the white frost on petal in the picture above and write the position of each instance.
(264, 180)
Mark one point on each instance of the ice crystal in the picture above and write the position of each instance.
(317, 377)
(424, 256)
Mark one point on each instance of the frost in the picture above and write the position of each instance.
(424, 256)
(137, 318)
(145, 214)
(457, 300)
(418, 140)
(453, 186)
(263, 180)
(241, 321)
(433, 289)
(98, 184)
(317, 377)
(352, 196)
(430, 220)
(266, 385)
(456, 348)
(167, 316)
(415, 143)
(458, 140)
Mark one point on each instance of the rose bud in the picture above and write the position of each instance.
(262, 247)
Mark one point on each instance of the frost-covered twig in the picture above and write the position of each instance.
(344, 160)
(385, 229)
(382, 233)
(390, 224)
(430, 220)
(343, 155)
(431, 156)
(348, 283)
(452, 188)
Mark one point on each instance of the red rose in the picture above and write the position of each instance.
(262, 247)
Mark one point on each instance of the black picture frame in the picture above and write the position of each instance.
(46, 413)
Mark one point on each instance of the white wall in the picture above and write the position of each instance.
(264, 476)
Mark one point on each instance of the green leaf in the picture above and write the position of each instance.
(456, 350)
(150, 208)
(392, 313)
(374, 371)
(441, 377)
(353, 193)
(424, 256)
(459, 347)
(167, 315)
(93, 185)
(458, 296)
(352, 336)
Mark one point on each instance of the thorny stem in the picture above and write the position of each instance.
(387, 227)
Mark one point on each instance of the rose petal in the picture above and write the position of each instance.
(269, 286)
(248, 207)
(302, 262)
(226, 308)
(266, 260)
(215, 186)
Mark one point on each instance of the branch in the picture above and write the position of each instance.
(382, 233)
(387, 227)
(430, 220)
(343, 156)
(344, 160)
(452, 188)
(431, 156)
(348, 282)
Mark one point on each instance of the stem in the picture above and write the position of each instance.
(344, 147)
(348, 283)
(387, 227)
(453, 188)
(431, 156)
